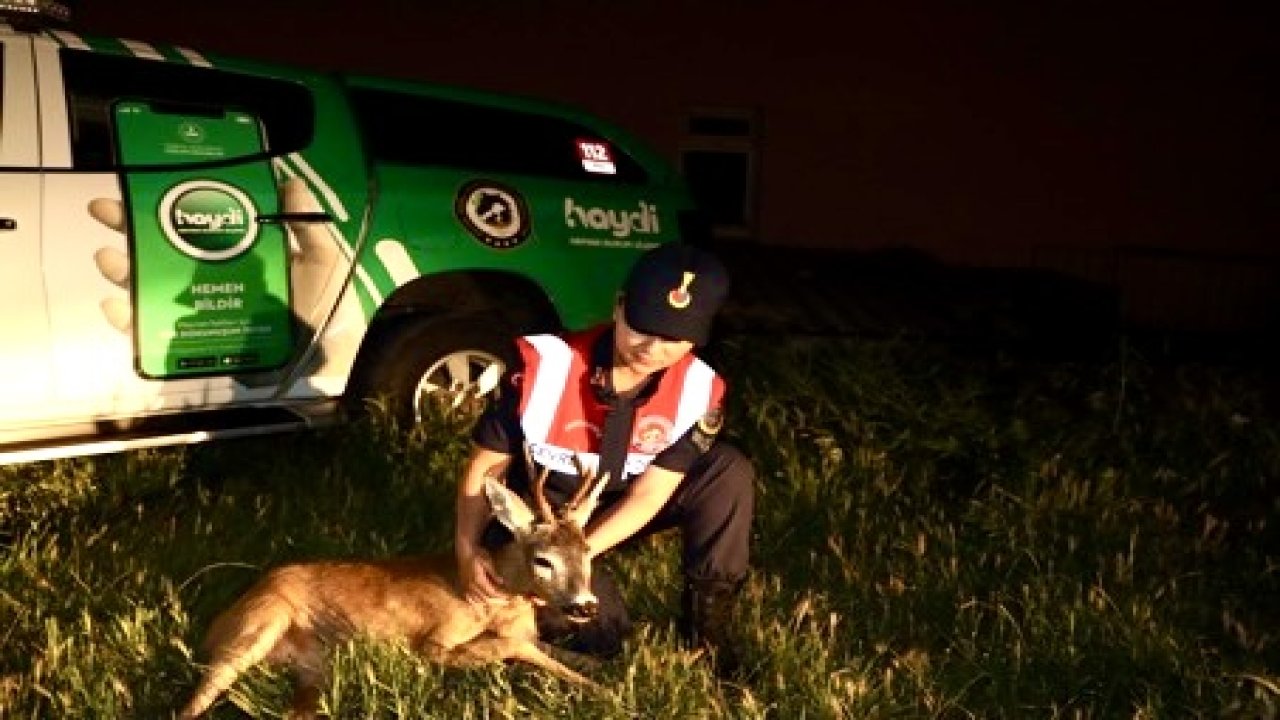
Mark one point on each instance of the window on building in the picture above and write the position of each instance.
(719, 158)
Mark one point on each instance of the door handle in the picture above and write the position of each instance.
(308, 217)
(8, 224)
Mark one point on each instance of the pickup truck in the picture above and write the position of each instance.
(198, 247)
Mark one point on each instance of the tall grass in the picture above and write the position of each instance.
(939, 535)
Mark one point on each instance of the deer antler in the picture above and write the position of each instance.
(583, 503)
(538, 487)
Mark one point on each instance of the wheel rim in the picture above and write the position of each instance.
(459, 384)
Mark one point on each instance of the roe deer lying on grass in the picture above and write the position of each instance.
(292, 614)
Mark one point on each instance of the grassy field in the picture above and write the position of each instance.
(940, 535)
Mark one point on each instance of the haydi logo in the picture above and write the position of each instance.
(198, 221)
(620, 222)
(208, 220)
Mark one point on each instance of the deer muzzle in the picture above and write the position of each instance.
(581, 610)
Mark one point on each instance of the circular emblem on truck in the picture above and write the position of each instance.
(208, 220)
(494, 213)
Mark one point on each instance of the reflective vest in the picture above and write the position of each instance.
(561, 415)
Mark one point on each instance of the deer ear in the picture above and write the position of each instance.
(507, 506)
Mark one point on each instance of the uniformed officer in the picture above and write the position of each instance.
(633, 399)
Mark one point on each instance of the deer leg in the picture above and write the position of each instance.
(486, 650)
(308, 663)
(576, 660)
(531, 653)
(304, 704)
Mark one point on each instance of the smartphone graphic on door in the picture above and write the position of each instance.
(210, 282)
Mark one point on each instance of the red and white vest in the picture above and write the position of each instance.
(561, 415)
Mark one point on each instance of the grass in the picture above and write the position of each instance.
(939, 535)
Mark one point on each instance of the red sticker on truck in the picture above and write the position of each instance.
(596, 157)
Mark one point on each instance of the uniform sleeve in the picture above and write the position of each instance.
(680, 455)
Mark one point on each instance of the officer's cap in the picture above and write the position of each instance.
(674, 291)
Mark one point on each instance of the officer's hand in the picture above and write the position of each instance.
(318, 254)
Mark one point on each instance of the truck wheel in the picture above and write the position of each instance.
(428, 368)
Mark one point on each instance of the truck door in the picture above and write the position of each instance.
(173, 295)
(24, 322)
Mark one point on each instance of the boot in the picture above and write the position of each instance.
(707, 614)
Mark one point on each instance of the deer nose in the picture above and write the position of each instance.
(581, 611)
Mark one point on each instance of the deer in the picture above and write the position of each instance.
(297, 611)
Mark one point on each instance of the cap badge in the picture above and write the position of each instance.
(679, 298)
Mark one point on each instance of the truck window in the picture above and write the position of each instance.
(94, 81)
(409, 129)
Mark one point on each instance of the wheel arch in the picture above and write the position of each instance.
(464, 293)
(503, 299)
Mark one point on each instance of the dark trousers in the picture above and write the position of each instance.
(712, 508)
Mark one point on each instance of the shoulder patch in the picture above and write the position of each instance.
(704, 433)
(712, 421)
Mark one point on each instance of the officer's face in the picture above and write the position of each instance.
(645, 354)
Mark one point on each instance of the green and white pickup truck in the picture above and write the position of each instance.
(195, 246)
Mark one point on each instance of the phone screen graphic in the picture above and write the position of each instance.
(210, 283)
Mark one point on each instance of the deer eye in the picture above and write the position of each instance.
(543, 566)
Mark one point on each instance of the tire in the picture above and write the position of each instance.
(424, 367)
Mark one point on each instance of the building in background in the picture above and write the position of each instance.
(1126, 145)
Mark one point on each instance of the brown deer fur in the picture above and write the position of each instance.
(296, 611)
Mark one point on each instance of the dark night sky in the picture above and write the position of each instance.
(1146, 123)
